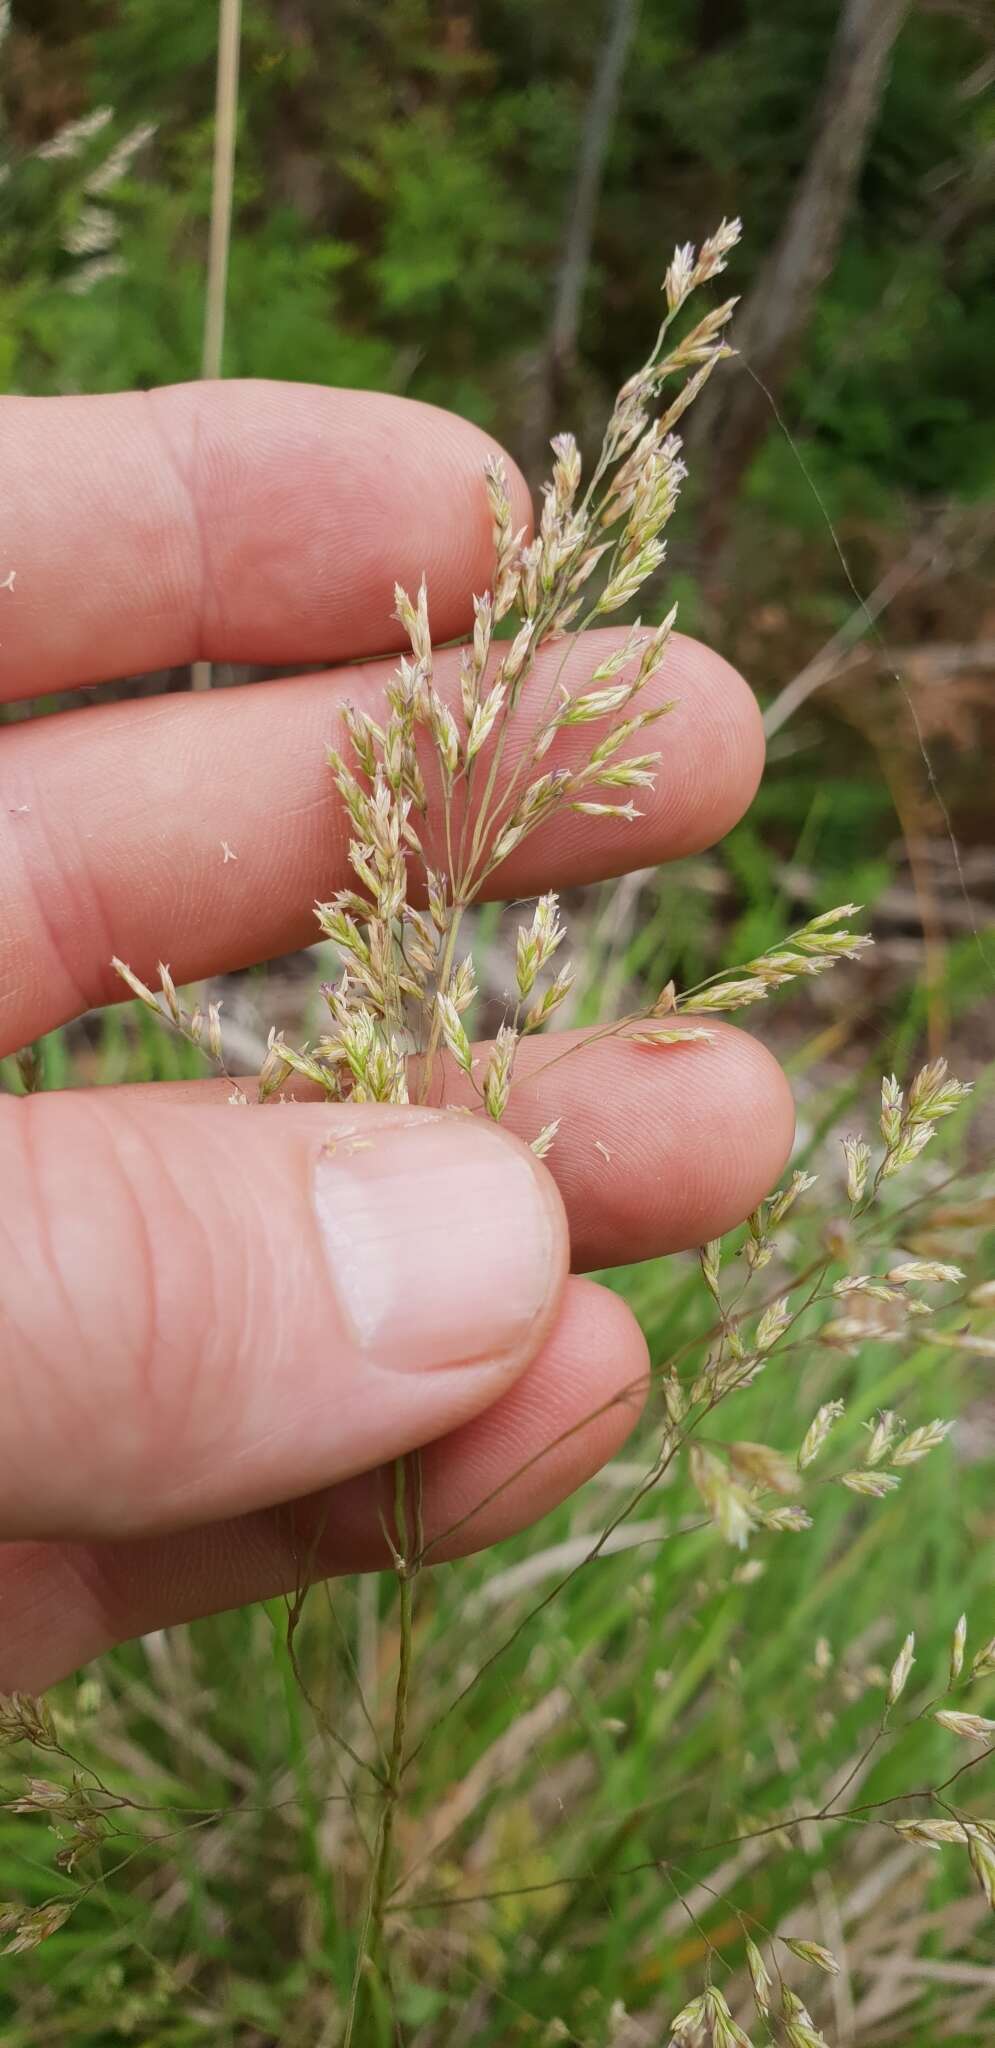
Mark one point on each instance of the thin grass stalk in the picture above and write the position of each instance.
(371, 1971)
(222, 187)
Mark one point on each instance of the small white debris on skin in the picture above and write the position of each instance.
(599, 1146)
(228, 852)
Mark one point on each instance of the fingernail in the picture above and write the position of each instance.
(445, 1244)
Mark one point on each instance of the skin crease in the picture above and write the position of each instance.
(254, 522)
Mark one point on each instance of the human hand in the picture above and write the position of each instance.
(205, 1311)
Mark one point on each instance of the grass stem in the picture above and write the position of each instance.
(219, 242)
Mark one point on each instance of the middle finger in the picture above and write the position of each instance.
(199, 830)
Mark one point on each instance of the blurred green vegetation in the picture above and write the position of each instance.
(404, 174)
(405, 177)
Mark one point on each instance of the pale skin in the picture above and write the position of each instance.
(208, 1312)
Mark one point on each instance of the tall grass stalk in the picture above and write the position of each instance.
(219, 240)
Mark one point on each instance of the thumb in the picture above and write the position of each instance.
(209, 1310)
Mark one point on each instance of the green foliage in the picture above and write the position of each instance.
(403, 179)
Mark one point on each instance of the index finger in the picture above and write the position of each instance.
(244, 522)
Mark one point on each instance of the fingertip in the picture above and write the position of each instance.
(614, 1357)
(741, 1132)
(680, 1143)
(775, 1094)
(715, 781)
(565, 1418)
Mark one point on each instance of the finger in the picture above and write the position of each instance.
(571, 1410)
(657, 1150)
(205, 1311)
(199, 830)
(245, 522)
